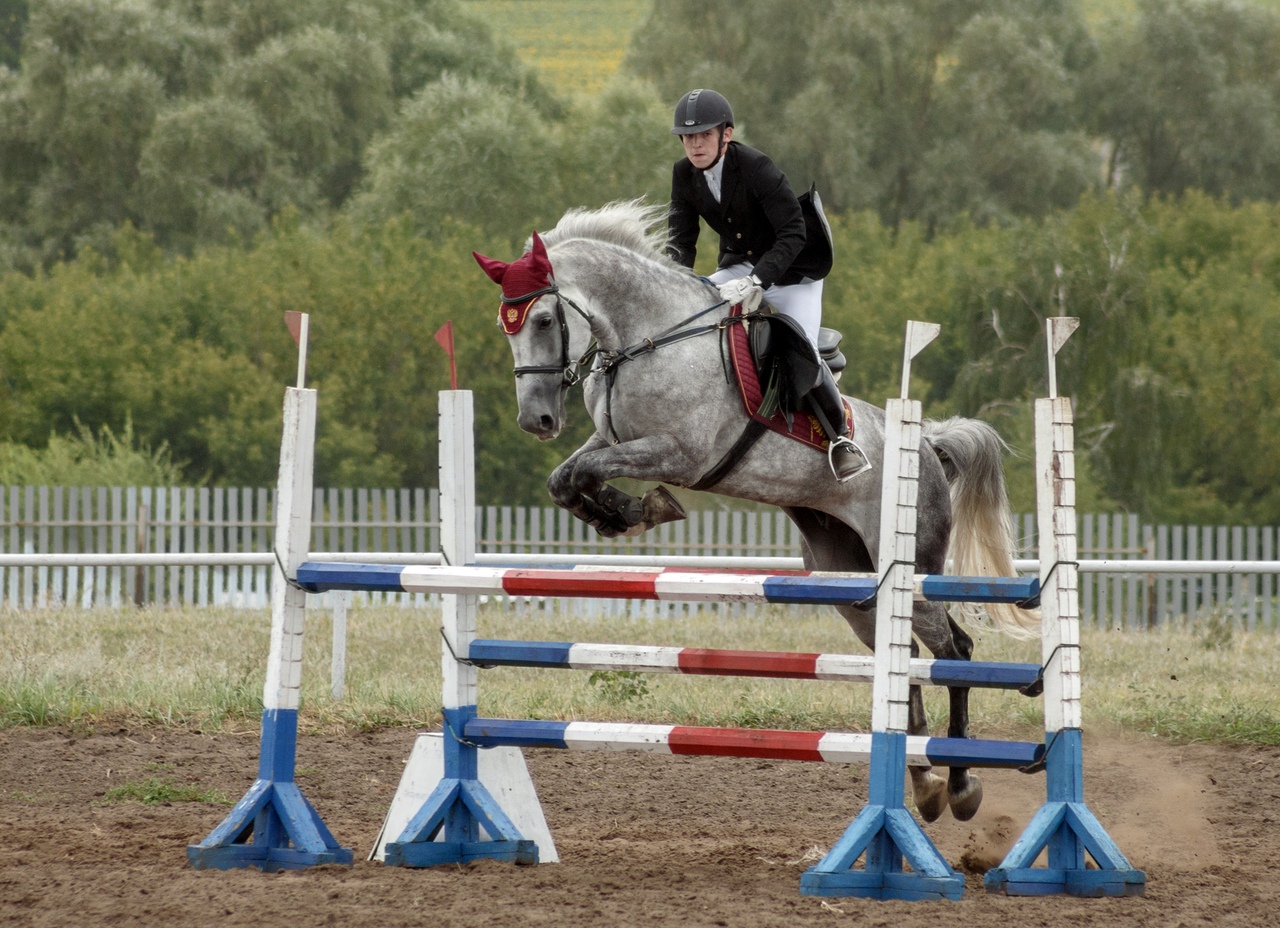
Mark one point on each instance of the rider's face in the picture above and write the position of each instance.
(702, 148)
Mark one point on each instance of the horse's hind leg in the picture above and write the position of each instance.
(927, 788)
(948, 641)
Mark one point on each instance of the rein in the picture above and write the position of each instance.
(608, 362)
(612, 360)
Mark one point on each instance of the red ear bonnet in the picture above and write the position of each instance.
(523, 281)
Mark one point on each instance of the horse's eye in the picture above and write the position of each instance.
(544, 322)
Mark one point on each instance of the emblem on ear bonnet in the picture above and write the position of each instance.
(522, 282)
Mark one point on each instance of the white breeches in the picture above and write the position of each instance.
(802, 301)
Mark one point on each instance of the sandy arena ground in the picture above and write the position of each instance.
(643, 840)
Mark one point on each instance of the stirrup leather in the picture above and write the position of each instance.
(831, 458)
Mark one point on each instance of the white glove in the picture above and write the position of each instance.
(744, 290)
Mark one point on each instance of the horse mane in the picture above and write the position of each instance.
(630, 224)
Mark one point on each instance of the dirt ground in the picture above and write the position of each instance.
(643, 839)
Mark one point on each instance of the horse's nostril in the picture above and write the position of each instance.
(547, 423)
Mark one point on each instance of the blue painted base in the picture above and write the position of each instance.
(461, 807)
(887, 834)
(1066, 830)
(273, 827)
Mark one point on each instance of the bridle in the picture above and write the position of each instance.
(566, 368)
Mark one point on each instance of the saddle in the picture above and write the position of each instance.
(790, 372)
(780, 378)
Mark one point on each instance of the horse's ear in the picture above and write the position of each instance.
(492, 266)
(541, 260)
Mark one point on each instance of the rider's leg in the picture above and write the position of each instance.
(802, 302)
(847, 459)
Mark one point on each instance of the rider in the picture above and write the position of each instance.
(764, 246)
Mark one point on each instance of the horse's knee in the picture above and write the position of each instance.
(560, 486)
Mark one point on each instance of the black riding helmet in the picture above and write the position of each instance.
(700, 110)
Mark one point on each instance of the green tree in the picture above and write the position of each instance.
(196, 121)
(617, 146)
(13, 22)
(465, 149)
(1188, 95)
(86, 459)
(321, 94)
(916, 109)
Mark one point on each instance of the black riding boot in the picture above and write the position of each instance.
(846, 458)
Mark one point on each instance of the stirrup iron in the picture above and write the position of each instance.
(842, 442)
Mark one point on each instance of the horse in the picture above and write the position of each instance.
(596, 299)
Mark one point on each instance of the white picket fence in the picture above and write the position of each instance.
(223, 537)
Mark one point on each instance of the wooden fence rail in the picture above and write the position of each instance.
(120, 520)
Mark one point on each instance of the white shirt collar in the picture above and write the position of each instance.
(713, 176)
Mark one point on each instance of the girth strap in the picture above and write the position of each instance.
(750, 435)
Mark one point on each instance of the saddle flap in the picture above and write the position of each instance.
(785, 357)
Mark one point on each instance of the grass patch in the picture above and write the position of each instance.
(203, 669)
(154, 791)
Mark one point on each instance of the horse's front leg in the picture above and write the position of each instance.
(565, 493)
(655, 457)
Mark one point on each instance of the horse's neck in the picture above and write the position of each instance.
(630, 299)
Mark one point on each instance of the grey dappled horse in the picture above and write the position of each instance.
(669, 413)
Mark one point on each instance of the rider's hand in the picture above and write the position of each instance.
(744, 290)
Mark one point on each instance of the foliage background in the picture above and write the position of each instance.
(175, 176)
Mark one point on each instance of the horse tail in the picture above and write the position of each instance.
(982, 533)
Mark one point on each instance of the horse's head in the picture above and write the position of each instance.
(532, 316)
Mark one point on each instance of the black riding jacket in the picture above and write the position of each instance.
(758, 218)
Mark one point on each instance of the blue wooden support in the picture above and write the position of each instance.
(273, 827)
(462, 808)
(886, 834)
(1067, 830)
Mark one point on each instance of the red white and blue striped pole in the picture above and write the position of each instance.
(675, 584)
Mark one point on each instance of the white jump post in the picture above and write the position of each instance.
(1064, 826)
(274, 827)
(884, 830)
(461, 806)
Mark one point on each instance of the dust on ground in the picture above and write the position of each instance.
(643, 840)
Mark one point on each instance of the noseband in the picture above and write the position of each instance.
(566, 368)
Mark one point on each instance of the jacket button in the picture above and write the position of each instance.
(751, 254)
(739, 235)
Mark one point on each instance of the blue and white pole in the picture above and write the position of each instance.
(274, 827)
(461, 806)
(884, 830)
(1064, 826)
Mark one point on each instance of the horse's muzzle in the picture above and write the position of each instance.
(541, 418)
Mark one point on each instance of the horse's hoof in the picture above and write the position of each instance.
(930, 793)
(659, 506)
(964, 804)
